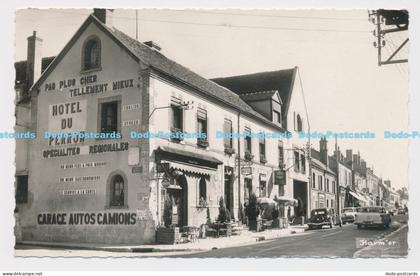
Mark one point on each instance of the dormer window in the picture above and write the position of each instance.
(91, 55)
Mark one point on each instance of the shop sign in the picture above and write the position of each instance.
(246, 170)
(102, 218)
(67, 117)
(279, 177)
(78, 192)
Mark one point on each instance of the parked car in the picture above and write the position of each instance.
(390, 211)
(323, 217)
(348, 214)
(372, 216)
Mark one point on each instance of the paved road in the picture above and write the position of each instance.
(336, 242)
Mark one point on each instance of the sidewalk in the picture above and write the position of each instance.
(245, 238)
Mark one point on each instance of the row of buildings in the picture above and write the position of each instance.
(112, 190)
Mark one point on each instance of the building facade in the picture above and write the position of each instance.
(157, 122)
(324, 180)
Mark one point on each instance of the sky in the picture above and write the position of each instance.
(344, 87)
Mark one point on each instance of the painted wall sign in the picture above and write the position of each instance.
(121, 218)
(78, 192)
(79, 178)
(67, 117)
(83, 165)
(131, 123)
(61, 152)
(122, 146)
(130, 107)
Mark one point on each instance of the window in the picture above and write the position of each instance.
(22, 189)
(327, 203)
(327, 185)
(313, 181)
(276, 117)
(263, 158)
(320, 182)
(117, 191)
(248, 145)
(202, 191)
(177, 120)
(303, 164)
(299, 123)
(263, 185)
(109, 116)
(332, 203)
(202, 127)
(296, 161)
(91, 54)
(227, 129)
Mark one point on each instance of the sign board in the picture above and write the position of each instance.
(137, 169)
(246, 170)
(279, 177)
(133, 156)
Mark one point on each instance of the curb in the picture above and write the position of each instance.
(357, 253)
(262, 238)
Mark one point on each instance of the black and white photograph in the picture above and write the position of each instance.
(201, 137)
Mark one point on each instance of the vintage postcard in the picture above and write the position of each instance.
(211, 133)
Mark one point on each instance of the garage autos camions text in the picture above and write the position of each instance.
(122, 218)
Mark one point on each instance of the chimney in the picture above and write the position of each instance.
(355, 165)
(323, 150)
(349, 156)
(105, 16)
(34, 59)
(153, 45)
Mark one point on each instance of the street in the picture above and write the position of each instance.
(336, 242)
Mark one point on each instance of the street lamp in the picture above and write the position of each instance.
(184, 106)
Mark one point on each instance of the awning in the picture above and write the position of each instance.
(188, 168)
(358, 197)
(190, 157)
(287, 199)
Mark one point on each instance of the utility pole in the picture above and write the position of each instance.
(338, 178)
(137, 25)
(378, 30)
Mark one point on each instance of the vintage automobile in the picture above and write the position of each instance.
(372, 216)
(323, 217)
(348, 214)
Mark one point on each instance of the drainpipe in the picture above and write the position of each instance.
(239, 168)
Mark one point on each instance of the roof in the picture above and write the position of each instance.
(280, 80)
(162, 64)
(20, 69)
(256, 96)
(316, 161)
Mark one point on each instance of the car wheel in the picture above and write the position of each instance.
(359, 226)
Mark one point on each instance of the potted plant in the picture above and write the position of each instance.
(229, 150)
(224, 218)
(248, 156)
(252, 211)
(167, 234)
